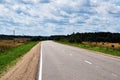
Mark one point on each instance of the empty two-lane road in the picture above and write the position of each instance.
(61, 62)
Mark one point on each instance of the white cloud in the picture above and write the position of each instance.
(59, 16)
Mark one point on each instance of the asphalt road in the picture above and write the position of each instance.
(61, 62)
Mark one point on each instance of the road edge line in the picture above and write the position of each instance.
(40, 65)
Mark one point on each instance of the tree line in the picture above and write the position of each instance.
(32, 38)
(11, 37)
(73, 38)
(89, 37)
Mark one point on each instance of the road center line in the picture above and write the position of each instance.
(114, 74)
(40, 65)
(70, 54)
(88, 62)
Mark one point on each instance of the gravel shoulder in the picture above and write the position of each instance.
(26, 68)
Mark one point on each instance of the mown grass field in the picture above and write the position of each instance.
(9, 57)
(105, 50)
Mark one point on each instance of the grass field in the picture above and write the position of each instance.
(9, 57)
(95, 48)
(104, 44)
(7, 44)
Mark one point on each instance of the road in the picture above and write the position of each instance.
(62, 62)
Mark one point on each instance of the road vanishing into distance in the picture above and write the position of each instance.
(62, 62)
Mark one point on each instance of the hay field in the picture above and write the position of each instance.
(104, 44)
(7, 44)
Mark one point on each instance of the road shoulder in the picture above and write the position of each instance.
(26, 68)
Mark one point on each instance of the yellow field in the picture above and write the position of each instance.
(104, 44)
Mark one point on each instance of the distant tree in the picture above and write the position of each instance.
(36, 38)
(89, 37)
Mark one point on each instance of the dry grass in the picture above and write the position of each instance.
(7, 44)
(104, 44)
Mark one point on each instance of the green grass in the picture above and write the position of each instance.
(10, 57)
(95, 48)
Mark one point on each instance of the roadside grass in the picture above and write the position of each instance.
(11, 56)
(94, 48)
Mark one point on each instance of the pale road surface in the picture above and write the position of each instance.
(61, 62)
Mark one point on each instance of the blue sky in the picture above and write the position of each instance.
(58, 17)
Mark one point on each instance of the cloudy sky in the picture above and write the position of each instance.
(48, 17)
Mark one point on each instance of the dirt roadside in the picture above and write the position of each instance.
(26, 68)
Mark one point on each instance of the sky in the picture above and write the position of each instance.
(58, 17)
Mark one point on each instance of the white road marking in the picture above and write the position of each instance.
(70, 54)
(117, 59)
(40, 65)
(114, 74)
(88, 62)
